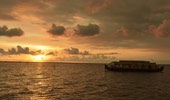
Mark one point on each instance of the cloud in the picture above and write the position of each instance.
(111, 53)
(26, 50)
(4, 31)
(75, 51)
(2, 51)
(94, 6)
(37, 52)
(72, 50)
(102, 57)
(11, 51)
(85, 53)
(99, 58)
(6, 8)
(19, 50)
(134, 16)
(162, 30)
(56, 30)
(123, 31)
(10, 10)
(129, 18)
(87, 30)
(51, 54)
(7, 17)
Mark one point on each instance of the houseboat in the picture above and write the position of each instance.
(133, 66)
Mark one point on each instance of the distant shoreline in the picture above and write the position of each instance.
(50, 62)
(61, 62)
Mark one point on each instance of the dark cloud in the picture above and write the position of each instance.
(112, 53)
(12, 51)
(72, 50)
(56, 30)
(87, 30)
(4, 31)
(37, 52)
(2, 51)
(85, 53)
(19, 50)
(75, 51)
(130, 18)
(119, 20)
(51, 53)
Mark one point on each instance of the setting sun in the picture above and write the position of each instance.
(38, 58)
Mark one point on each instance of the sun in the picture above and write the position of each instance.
(39, 58)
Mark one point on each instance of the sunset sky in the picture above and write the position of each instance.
(85, 30)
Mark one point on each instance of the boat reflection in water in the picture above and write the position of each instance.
(134, 66)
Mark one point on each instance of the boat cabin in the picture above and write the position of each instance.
(128, 64)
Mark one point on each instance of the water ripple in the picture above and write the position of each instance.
(44, 81)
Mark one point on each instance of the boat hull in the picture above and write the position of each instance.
(133, 70)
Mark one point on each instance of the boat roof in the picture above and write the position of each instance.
(133, 61)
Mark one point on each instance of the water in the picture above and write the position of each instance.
(57, 81)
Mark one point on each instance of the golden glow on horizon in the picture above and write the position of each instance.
(39, 58)
(42, 47)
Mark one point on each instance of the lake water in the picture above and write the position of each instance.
(55, 81)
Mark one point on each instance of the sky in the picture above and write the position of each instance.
(85, 30)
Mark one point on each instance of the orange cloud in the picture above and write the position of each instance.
(124, 31)
(95, 6)
(26, 11)
(161, 31)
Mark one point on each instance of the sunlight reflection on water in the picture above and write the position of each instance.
(51, 81)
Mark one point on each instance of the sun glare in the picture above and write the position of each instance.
(42, 47)
(39, 58)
